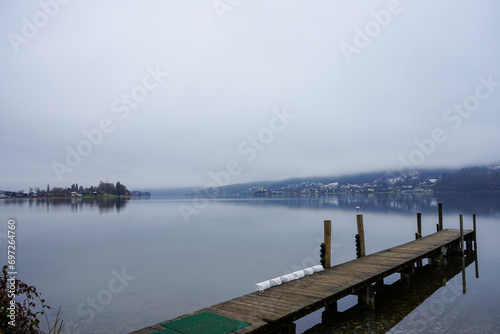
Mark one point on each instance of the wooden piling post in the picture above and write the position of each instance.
(475, 244)
(405, 276)
(286, 328)
(379, 285)
(437, 259)
(367, 298)
(462, 253)
(418, 235)
(332, 307)
(462, 234)
(328, 243)
(361, 232)
(289, 328)
(440, 214)
(474, 229)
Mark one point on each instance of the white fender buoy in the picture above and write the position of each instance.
(288, 277)
(299, 273)
(263, 285)
(318, 268)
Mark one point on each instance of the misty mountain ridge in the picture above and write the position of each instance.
(469, 179)
(486, 178)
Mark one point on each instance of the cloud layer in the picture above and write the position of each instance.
(163, 93)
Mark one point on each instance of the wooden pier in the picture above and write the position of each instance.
(275, 309)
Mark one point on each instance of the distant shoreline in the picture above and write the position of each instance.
(239, 196)
(75, 197)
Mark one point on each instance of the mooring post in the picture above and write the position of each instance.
(418, 235)
(462, 253)
(440, 214)
(366, 295)
(462, 234)
(474, 229)
(328, 243)
(475, 245)
(361, 232)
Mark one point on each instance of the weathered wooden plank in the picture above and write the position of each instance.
(256, 323)
(275, 305)
(312, 292)
(280, 298)
(237, 308)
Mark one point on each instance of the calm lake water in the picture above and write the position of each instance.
(116, 267)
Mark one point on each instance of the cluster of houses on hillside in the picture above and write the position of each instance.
(390, 185)
(19, 194)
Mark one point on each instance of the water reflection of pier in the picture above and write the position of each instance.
(438, 282)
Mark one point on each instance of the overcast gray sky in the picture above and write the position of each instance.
(164, 93)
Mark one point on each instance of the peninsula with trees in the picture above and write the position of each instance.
(103, 190)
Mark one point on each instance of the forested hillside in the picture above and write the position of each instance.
(470, 179)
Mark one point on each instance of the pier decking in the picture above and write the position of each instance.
(271, 310)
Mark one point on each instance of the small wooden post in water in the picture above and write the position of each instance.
(328, 243)
(475, 244)
(361, 232)
(440, 214)
(474, 228)
(366, 295)
(332, 307)
(461, 234)
(418, 235)
(463, 252)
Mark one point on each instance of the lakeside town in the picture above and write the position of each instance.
(103, 190)
(408, 183)
(392, 185)
(472, 179)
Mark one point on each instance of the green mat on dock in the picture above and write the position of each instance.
(205, 323)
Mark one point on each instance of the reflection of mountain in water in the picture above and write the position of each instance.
(104, 205)
(487, 204)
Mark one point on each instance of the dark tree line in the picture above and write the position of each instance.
(470, 179)
(104, 188)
